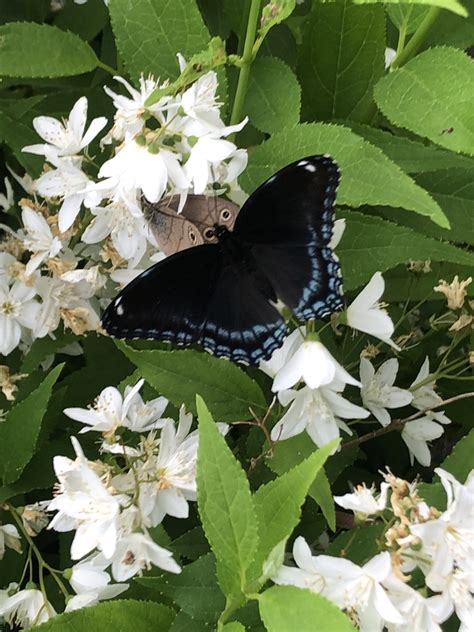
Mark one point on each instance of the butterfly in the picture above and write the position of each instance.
(225, 293)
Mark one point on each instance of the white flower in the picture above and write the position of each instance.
(416, 434)
(135, 167)
(421, 614)
(9, 537)
(84, 504)
(67, 138)
(65, 300)
(281, 355)
(390, 54)
(69, 183)
(353, 588)
(17, 309)
(425, 396)
(365, 314)
(39, 239)
(137, 552)
(92, 583)
(111, 411)
(363, 501)
(448, 541)
(124, 221)
(131, 112)
(318, 411)
(313, 363)
(26, 608)
(7, 199)
(378, 392)
(172, 473)
(458, 596)
(205, 154)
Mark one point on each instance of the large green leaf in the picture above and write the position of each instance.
(123, 615)
(225, 506)
(149, 33)
(340, 60)
(358, 544)
(179, 375)
(459, 462)
(450, 5)
(273, 96)
(278, 503)
(287, 608)
(40, 50)
(411, 155)
(19, 432)
(370, 243)
(194, 590)
(368, 176)
(433, 96)
(453, 189)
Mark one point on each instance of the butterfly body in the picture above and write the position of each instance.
(223, 294)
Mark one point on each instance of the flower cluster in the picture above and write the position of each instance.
(379, 593)
(83, 223)
(147, 471)
(319, 408)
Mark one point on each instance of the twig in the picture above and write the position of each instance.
(399, 423)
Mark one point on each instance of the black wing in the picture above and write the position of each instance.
(199, 296)
(288, 223)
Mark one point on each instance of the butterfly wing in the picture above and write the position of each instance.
(288, 223)
(198, 295)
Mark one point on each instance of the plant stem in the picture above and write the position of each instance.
(417, 38)
(247, 59)
(107, 68)
(398, 424)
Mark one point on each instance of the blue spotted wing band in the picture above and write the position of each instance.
(223, 296)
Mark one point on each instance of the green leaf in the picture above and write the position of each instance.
(453, 189)
(281, 43)
(451, 29)
(411, 155)
(459, 462)
(184, 623)
(38, 473)
(40, 50)
(341, 59)
(195, 590)
(225, 506)
(273, 96)
(278, 503)
(433, 96)
(43, 347)
(287, 608)
(20, 430)
(370, 244)
(123, 615)
(149, 33)
(87, 20)
(358, 544)
(274, 13)
(451, 5)
(233, 626)
(16, 133)
(321, 492)
(368, 176)
(179, 375)
(407, 15)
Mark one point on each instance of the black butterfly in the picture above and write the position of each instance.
(224, 296)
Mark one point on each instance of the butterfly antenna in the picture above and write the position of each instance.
(213, 188)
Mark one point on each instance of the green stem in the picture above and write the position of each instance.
(247, 59)
(107, 68)
(417, 38)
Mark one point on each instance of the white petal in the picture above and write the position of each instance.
(94, 128)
